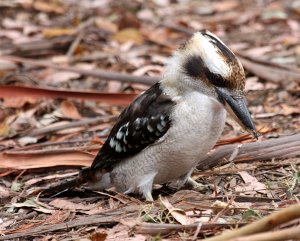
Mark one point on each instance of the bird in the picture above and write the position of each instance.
(168, 129)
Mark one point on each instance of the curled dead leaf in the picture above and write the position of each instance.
(18, 102)
(129, 35)
(65, 204)
(56, 32)
(179, 215)
(69, 110)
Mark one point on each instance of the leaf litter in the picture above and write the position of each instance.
(53, 121)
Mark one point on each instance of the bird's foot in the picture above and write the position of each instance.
(148, 196)
(198, 186)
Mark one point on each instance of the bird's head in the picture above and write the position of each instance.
(206, 64)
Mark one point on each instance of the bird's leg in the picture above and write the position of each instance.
(196, 185)
(145, 185)
(148, 196)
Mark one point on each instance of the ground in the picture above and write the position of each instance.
(68, 68)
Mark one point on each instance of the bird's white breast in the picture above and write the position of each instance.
(197, 123)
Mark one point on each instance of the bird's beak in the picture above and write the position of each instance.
(236, 105)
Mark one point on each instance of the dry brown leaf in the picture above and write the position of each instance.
(179, 215)
(121, 232)
(277, 74)
(5, 129)
(251, 184)
(114, 86)
(4, 192)
(49, 6)
(129, 35)
(68, 109)
(6, 65)
(56, 32)
(68, 205)
(58, 77)
(224, 6)
(106, 25)
(288, 110)
(159, 36)
(7, 91)
(4, 225)
(93, 211)
(20, 162)
(57, 217)
(18, 102)
(98, 235)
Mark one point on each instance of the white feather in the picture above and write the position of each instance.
(200, 44)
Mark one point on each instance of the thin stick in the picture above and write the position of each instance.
(110, 75)
(285, 234)
(75, 44)
(264, 224)
(164, 228)
(80, 123)
(197, 232)
(80, 34)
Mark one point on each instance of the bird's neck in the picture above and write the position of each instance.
(177, 85)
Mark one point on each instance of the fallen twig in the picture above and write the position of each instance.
(110, 75)
(264, 224)
(282, 147)
(165, 228)
(84, 122)
(286, 234)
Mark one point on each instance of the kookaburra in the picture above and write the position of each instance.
(162, 135)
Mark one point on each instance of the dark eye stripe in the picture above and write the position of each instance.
(194, 67)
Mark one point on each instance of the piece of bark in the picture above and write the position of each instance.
(283, 147)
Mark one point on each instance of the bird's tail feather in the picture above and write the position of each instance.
(85, 175)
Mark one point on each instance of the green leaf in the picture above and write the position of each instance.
(16, 186)
(250, 213)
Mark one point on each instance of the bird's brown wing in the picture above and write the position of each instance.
(141, 124)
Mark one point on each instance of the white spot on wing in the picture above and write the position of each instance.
(160, 127)
(118, 147)
(137, 122)
(120, 134)
(162, 121)
(112, 143)
(149, 127)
